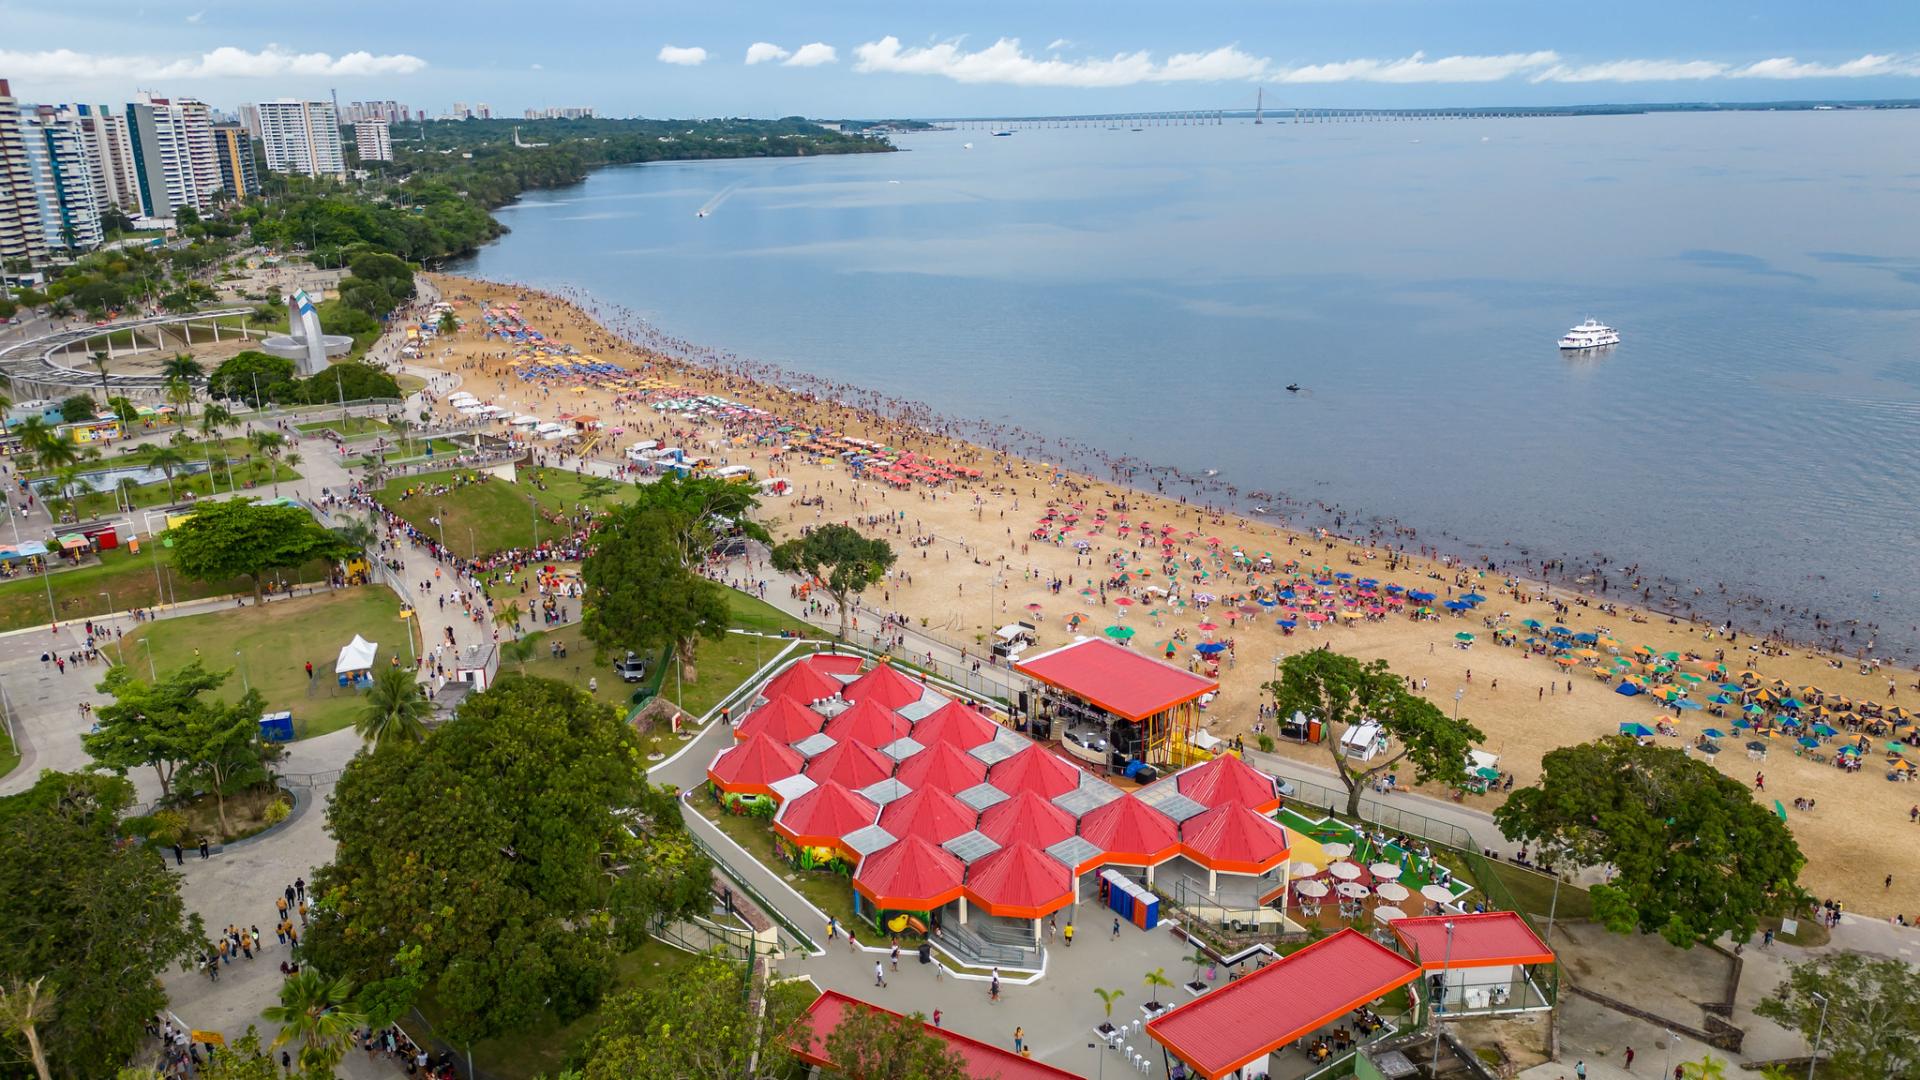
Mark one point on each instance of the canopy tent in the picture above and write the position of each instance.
(783, 719)
(1228, 779)
(1020, 882)
(851, 764)
(868, 722)
(1234, 839)
(928, 814)
(752, 767)
(944, 766)
(1035, 769)
(1361, 741)
(1026, 819)
(356, 656)
(955, 722)
(804, 683)
(821, 817)
(1119, 680)
(886, 686)
(1131, 832)
(910, 874)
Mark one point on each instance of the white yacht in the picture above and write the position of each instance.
(1590, 335)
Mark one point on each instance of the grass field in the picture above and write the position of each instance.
(9, 755)
(725, 664)
(128, 580)
(829, 891)
(477, 519)
(274, 642)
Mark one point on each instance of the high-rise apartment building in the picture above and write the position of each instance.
(302, 137)
(21, 236)
(173, 154)
(233, 149)
(62, 178)
(372, 141)
(250, 119)
(568, 112)
(110, 153)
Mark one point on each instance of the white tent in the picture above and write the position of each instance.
(461, 395)
(356, 655)
(1480, 759)
(526, 421)
(1362, 741)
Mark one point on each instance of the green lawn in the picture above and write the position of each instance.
(352, 425)
(142, 580)
(1533, 893)
(274, 642)
(725, 664)
(480, 518)
(579, 666)
(9, 755)
(543, 1049)
(831, 892)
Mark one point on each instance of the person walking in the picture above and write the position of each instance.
(993, 988)
(203, 847)
(895, 956)
(1580, 1070)
(1066, 934)
(1629, 1059)
(1116, 929)
(879, 974)
(178, 858)
(936, 1018)
(833, 927)
(1019, 1038)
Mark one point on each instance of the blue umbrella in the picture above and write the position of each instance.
(1287, 624)
(1264, 602)
(1740, 724)
(1586, 639)
(1343, 576)
(1792, 703)
(1367, 583)
(1558, 631)
(1732, 688)
(1721, 699)
(1823, 729)
(1287, 594)
(1396, 588)
(1809, 741)
(1690, 706)
(1638, 731)
(1423, 597)
(1208, 648)
(1850, 749)
(1457, 605)
(1473, 598)
(1714, 733)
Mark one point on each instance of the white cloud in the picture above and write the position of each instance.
(1059, 43)
(537, 67)
(1005, 62)
(761, 52)
(1634, 71)
(686, 57)
(196, 17)
(226, 62)
(1418, 69)
(1786, 67)
(813, 55)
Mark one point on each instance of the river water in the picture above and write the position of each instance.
(1152, 293)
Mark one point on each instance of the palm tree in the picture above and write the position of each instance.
(318, 1012)
(215, 419)
(401, 425)
(22, 1008)
(1107, 998)
(293, 462)
(6, 403)
(1155, 979)
(100, 365)
(128, 485)
(517, 652)
(180, 392)
(270, 443)
(448, 324)
(183, 366)
(166, 460)
(508, 617)
(395, 711)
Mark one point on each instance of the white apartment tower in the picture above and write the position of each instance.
(21, 236)
(110, 153)
(372, 140)
(301, 137)
(62, 179)
(174, 162)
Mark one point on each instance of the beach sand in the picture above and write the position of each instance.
(982, 532)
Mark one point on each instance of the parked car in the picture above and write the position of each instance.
(631, 667)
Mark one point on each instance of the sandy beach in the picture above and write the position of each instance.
(969, 561)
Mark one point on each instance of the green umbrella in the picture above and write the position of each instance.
(1463, 636)
(1691, 677)
(1120, 633)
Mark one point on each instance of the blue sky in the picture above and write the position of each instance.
(980, 57)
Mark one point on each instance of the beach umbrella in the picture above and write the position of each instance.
(1708, 748)
(1850, 750)
(1587, 639)
(1672, 657)
(1337, 850)
(1688, 676)
(1209, 648)
(1287, 624)
(1343, 870)
(1559, 631)
(1034, 608)
(1384, 871)
(1792, 703)
(1690, 706)
(1638, 731)
(1732, 688)
(1313, 890)
(1391, 890)
(1207, 627)
(1531, 624)
(1387, 913)
(1436, 893)
(1721, 699)
(1824, 730)
(1757, 747)
(1714, 733)
(1463, 636)
(1123, 601)
(1485, 773)
(1353, 890)
(1120, 633)
(1809, 741)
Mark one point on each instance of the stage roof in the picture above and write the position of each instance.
(1489, 939)
(1117, 679)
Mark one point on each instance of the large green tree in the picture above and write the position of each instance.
(146, 724)
(519, 847)
(1689, 854)
(241, 538)
(701, 510)
(701, 1025)
(641, 596)
(1871, 1022)
(225, 753)
(95, 917)
(254, 377)
(869, 1044)
(839, 559)
(1344, 692)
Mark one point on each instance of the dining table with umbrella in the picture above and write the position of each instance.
(1385, 871)
(1344, 870)
(1391, 891)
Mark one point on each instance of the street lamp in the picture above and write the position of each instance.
(151, 670)
(1102, 1071)
(244, 685)
(1457, 695)
(1814, 1061)
(1440, 997)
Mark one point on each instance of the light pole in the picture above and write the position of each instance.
(1440, 997)
(244, 685)
(1814, 1061)
(1101, 1072)
(1457, 695)
(151, 670)
(103, 628)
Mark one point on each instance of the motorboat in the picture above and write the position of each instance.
(1293, 388)
(1589, 335)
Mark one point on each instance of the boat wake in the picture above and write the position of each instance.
(723, 195)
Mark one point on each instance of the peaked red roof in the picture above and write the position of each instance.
(803, 683)
(1489, 939)
(1026, 819)
(1131, 832)
(824, 815)
(1233, 838)
(886, 685)
(1228, 779)
(910, 874)
(1036, 770)
(1119, 680)
(851, 764)
(782, 718)
(983, 1061)
(955, 722)
(942, 766)
(750, 767)
(928, 813)
(1299, 993)
(1020, 882)
(868, 722)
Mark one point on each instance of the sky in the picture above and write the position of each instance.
(863, 58)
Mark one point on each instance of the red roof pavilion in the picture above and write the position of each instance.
(1232, 838)
(782, 718)
(834, 663)
(1489, 939)
(824, 815)
(854, 765)
(1117, 679)
(910, 874)
(955, 722)
(1026, 819)
(1036, 770)
(803, 683)
(983, 1060)
(1020, 882)
(1297, 994)
(751, 767)
(868, 722)
(886, 685)
(928, 813)
(943, 766)
(1228, 779)
(1131, 832)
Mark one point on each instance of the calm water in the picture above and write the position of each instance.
(1152, 293)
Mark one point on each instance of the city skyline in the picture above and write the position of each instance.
(993, 57)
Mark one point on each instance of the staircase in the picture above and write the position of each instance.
(972, 950)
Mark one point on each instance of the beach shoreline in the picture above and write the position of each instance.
(968, 519)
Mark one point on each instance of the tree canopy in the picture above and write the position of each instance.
(254, 377)
(1344, 692)
(98, 918)
(146, 724)
(519, 847)
(1690, 855)
(700, 510)
(240, 538)
(1871, 1021)
(640, 595)
(838, 557)
(701, 1025)
(872, 1045)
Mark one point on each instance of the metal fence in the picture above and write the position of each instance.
(1390, 816)
(754, 894)
(996, 683)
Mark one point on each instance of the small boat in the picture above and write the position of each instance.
(1293, 388)
(1001, 134)
(699, 213)
(1589, 335)
(966, 146)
